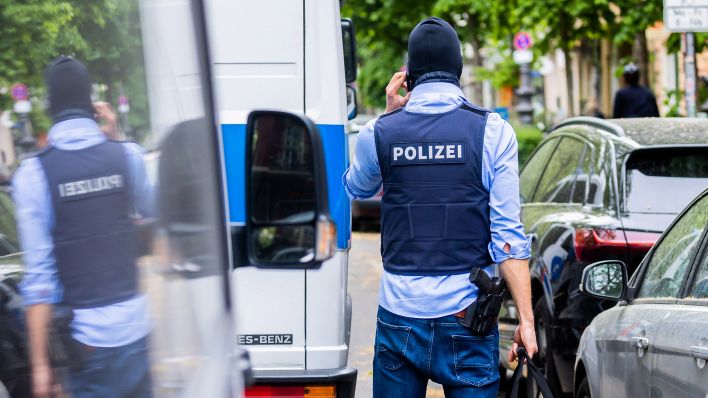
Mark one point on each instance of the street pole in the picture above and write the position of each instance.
(525, 92)
(689, 66)
(523, 57)
(27, 144)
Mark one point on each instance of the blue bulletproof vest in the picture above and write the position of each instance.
(434, 210)
(94, 236)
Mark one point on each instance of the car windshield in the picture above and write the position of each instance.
(664, 180)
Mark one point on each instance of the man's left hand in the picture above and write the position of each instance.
(524, 336)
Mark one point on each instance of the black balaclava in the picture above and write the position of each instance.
(69, 86)
(434, 50)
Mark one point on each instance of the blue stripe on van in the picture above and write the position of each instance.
(336, 159)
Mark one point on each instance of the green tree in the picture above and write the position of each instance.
(31, 34)
(382, 28)
(104, 34)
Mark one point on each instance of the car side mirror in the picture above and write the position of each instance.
(288, 222)
(605, 280)
(349, 47)
(352, 107)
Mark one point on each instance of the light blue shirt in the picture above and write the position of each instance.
(436, 296)
(109, 326)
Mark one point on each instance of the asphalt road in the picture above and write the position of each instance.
(364, 277)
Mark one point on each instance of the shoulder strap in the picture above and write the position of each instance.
(533, 372)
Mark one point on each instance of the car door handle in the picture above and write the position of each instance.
(640, 343)
(699, 352)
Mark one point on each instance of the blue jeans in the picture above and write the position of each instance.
(112, 372)
(410, 351)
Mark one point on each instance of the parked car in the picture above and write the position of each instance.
(363, 210)
(14, 366)
(655, 342)
(597, 190)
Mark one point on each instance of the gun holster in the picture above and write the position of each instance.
(481, 316)
(64, 350)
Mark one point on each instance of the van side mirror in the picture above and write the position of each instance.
(605, 280)
(352, 106)
(288, 224)
(349, 47)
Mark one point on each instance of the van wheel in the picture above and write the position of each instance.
(544, 358)
(583, 389)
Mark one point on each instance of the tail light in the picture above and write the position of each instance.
(315, 391)
(595, 244)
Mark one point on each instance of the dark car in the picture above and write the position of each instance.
(363, 210)
(14, 369)
(597, 190)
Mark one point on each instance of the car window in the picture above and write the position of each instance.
(585, 182)
(8, 231)
(664, 180)
(556, 184)
(672, 256)
(534, 167)
(700, 283)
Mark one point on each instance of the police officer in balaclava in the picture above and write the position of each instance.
(76, 203)
(450, 205)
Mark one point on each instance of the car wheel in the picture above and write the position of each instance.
(543, 359)
(583, 389)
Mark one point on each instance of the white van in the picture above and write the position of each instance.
(293, 316)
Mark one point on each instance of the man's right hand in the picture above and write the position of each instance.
(393, 99)
(42, 382)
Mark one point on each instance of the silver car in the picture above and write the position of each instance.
(654, 343)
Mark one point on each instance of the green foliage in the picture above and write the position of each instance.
(673, 101)
(383, 27)
(104, 34)
(528, 137)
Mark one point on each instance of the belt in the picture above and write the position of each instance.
(460, 314)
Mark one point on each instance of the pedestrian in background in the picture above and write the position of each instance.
(450, 205)
(76, 203)
(634, 100)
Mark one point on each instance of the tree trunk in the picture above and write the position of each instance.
(477, 61)
(569, 81)
(640, 54)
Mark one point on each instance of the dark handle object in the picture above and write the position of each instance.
(533, 371)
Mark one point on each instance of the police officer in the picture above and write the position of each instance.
(76, 202)
(634, 100)
(450, 204)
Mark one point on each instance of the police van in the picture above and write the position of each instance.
(287, 210)
(250, 238)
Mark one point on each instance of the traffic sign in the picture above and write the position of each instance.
(686, 15)
(19, 92)
(22, 106)
(522, 56)
(123, 104)
(522, 41)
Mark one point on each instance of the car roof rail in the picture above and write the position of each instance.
(601, 124)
